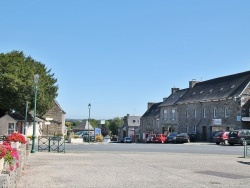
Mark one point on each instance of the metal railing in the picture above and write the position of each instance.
(51, 144)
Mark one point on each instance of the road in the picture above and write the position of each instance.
(198, 148)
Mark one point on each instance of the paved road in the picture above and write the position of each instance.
(118, 169)
(197, 147)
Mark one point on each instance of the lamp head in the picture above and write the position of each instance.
(36, 78)
(89, 105)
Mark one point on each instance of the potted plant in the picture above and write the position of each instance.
(16, 138)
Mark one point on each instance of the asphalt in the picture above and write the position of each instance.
(119, 170)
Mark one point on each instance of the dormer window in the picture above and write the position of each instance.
(232, 86)
(221, 88)
(201, 92)
(210, 90)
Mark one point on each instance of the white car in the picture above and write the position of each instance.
(106, 139)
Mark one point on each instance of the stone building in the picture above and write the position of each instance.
(217, 104)
(168, 111)
(57, 124)
(130, 127)
(149, 123)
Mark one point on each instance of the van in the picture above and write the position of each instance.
(237, 136)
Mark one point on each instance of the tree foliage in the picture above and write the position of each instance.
(115, 124)
(17, 86)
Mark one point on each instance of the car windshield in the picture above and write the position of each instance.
(233, 133)
(219, 134)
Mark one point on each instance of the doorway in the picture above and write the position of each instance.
(204, 133)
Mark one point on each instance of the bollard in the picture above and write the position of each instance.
(245, 148)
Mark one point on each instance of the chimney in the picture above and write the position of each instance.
(150, 104)
(174, 89)
(192, 83)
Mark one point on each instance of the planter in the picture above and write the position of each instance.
(15, 145)
(1, 165)
(75, 140)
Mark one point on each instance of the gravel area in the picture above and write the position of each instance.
(117, 169)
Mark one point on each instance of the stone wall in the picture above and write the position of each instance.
(8, 179)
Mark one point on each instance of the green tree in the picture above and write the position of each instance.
(68, 124)
(115, 124)
(17, 86)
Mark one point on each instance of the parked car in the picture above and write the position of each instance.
(127, 140)
(106, 139)
(182, 138)
(159, 138)
(149, 139)
(221, 137)
(172, 137)
(237, 136)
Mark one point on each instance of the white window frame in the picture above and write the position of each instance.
(214, 112)
(173, 114)
(195, 114)
(186, 113)
(165, 114)
(204, 113)
(10, 129)
(225, 112)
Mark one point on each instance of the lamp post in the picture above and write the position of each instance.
(89, 106)
(36, 78)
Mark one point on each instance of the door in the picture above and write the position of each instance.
(204, 133)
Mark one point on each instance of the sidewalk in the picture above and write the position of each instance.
(119, 170)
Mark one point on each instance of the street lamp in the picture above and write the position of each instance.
(88, 120)
(36, 78)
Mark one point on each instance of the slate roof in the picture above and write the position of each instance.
(153, 110)
(83, 126)
(217, 88)
(174, 97)
(19, 117)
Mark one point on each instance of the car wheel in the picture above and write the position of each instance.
(217, 143)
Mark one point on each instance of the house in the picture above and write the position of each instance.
(168, 111)
(218, 104)
(12, 122)
(55, 121)
(16, 122)
(130, 127)
(149, 121)
(84, 126)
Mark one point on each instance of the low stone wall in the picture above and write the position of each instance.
(8, 179)
(75, 140)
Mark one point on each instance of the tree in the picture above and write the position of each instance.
(16, 82)
(104, 130)
(115, 124)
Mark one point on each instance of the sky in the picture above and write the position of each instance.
(118, 55)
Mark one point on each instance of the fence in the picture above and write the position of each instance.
(51, 144)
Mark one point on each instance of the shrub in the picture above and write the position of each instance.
(98, 138)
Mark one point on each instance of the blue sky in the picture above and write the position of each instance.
(119, 55)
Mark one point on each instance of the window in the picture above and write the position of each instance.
(164, 114)
(194, 130)
(11, 128)
(173, 114)
(204, 113)
(214, 112)
(195, 114)
(186, 113)
(225, 112)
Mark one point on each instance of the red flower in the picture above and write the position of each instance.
(17, 137)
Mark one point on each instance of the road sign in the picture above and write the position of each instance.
(49, 119)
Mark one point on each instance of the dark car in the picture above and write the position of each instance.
(237, 136)
(182, 138)
(221, 137)
(172, 137)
